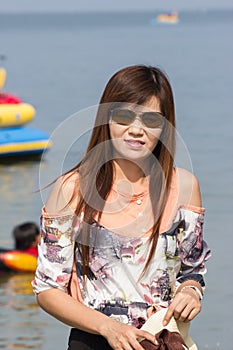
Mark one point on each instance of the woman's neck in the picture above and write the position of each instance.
(134, 174)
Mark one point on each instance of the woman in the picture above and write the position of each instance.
(122, 231)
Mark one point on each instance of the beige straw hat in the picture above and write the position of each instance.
(154, 325)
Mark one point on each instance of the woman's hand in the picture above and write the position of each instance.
(124, 337)
(184, 307)
(77, 315)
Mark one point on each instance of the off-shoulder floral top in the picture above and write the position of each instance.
(113, 284)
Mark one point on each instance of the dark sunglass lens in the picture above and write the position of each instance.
(153, 120)
(122, 116)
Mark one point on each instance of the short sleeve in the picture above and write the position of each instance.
(56, 252)
(193, 249)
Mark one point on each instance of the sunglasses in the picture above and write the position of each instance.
(125, 117)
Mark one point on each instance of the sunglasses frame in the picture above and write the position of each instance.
(140, 115)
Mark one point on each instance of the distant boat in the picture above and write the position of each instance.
(166, 18)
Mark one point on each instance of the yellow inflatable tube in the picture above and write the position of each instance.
(16, 114)
(19, 261)
(2, 77)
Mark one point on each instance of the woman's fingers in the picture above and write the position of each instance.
(133, 340)
(127, 338)
(168, 315)
(190, 315)
(148, 336)
(184, 307)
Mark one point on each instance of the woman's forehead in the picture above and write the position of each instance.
(151, 105)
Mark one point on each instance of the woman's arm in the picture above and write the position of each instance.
(55, 263)
(75, 314)
(186, 303)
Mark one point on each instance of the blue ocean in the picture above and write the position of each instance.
(60, 64)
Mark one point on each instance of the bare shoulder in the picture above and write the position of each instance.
(189, 189)
(63, 197)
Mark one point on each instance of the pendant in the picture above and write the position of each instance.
(139, 201)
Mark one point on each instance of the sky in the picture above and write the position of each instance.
(15, 6)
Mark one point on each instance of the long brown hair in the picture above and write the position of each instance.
(134, 84)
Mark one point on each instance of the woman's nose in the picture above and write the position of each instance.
(136, 125)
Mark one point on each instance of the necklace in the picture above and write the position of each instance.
(136, 198)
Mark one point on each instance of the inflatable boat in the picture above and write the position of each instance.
(16, 139)
(23, 141)
(166, 18)
(17, 261)
(15, 114)
(2, 77)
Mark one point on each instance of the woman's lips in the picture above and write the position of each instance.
(136, 144)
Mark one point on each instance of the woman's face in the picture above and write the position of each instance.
(136, 136)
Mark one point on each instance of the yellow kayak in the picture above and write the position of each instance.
(15, 114)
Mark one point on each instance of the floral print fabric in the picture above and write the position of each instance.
(114, 283)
